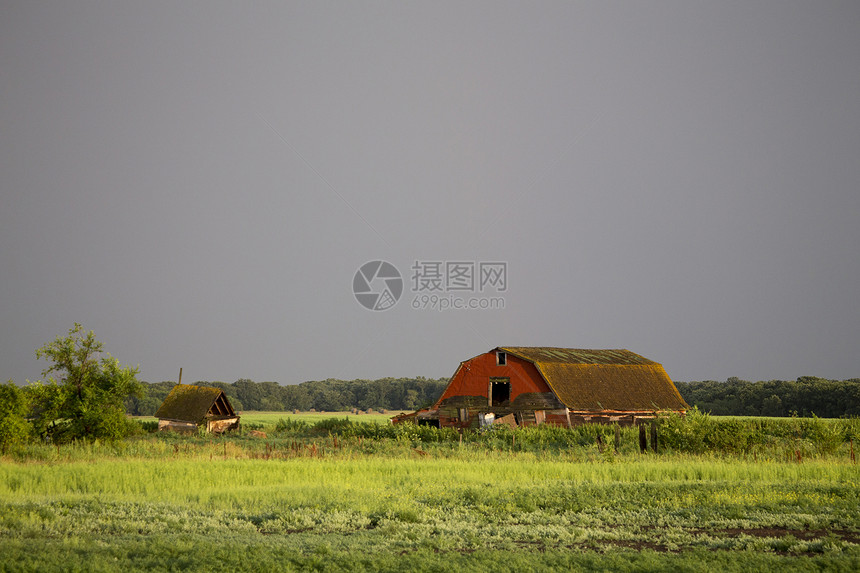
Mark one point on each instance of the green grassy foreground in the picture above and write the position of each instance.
(410, 499)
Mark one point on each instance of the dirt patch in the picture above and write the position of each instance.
(640, 545)
(778, 532)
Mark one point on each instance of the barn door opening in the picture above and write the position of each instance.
(500, 391)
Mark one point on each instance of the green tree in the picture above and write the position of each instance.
(88, 400)
(297, 397)
(410, 402)
(14, 428)
(250, 393)
(771, 406)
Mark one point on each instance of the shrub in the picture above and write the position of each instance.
(289, 426)
(14, 428)
(698, 433)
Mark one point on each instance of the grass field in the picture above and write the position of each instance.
(343, 502)
(271, 418)
(255, 418)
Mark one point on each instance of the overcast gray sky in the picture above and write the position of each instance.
(198, 182)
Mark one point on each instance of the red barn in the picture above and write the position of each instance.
(562, 386)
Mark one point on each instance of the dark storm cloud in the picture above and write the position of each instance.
(199, 182)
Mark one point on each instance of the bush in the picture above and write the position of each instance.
(14, 428)
(289, 426)
(149, 426)
(697, 433)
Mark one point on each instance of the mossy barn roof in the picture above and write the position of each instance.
(601, 380)
(187, 403)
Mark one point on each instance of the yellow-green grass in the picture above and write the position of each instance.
(365, 512)
(266, 418)
(271, 418)
(352, 503)
(210, 480)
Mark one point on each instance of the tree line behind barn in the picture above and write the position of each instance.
(804, 397)
(331, 395)
(735, 397)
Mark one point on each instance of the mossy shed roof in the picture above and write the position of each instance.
(189, 403)
(598, 380)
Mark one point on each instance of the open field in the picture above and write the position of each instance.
(271, 418)
(327, 497)
(255, 418)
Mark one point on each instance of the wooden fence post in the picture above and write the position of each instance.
(643, 439)
(654, 435)
(617, 438)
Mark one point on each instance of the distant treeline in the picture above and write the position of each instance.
(734, 397)
(804, 397)
(324, 395)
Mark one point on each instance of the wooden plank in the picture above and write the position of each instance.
(508, 420)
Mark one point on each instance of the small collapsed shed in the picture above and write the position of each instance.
(564, 386)
(188, 408)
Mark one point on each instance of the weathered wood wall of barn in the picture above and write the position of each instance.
(218, 426)
(176, 426)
